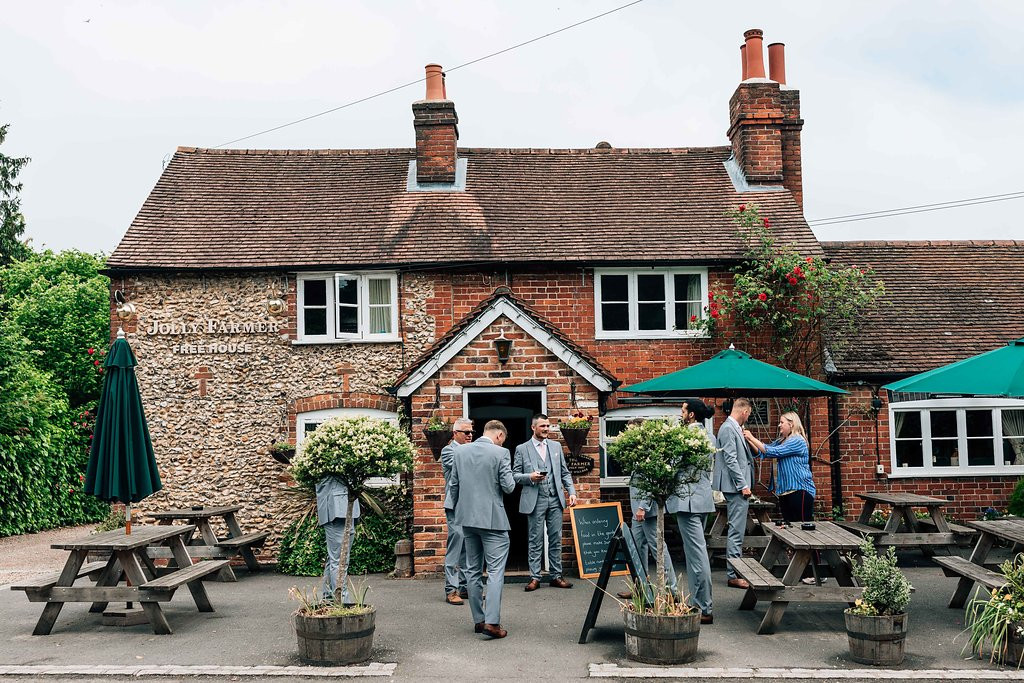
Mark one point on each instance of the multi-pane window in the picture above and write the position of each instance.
(957, 436)
(649, 303)
(348, 307)
(613, 423)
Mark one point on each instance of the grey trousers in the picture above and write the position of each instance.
(736, 508)
(548, 513)
(335, 531)
(454, 556)
(646, 542)
(490, 546)
(698, 565)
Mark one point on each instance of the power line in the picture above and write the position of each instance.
(921, 208)
(420, 80)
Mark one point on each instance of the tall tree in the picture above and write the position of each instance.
(12, 223)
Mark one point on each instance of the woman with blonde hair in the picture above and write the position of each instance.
(794, 483)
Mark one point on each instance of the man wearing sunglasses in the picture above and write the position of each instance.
(455, 551)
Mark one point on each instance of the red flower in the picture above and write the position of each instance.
(715, 314)
(711, 296)
(95, 362)
(809, 259)
(91, 351)
(81, 477)
(71, 490)
(792, 280)
(762, 296)
(767, 223)
(743, 207)
(693, 318)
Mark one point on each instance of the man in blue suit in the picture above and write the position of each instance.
(540, 467)
(480, 473)
(331, 508)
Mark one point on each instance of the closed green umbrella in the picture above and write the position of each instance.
(122, 466)
(732, 373)
(994, 373)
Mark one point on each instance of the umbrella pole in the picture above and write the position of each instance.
(128, 532)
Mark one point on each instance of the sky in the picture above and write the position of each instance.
(905, 103)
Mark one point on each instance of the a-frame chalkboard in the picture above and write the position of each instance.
(621, 550)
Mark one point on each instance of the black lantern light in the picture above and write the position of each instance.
(503, 345)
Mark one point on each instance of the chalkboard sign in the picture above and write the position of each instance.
(592, 529)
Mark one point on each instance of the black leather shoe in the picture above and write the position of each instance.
(464, 593)
(707, 618)
(478, 628)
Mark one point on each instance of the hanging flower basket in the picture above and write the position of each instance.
(575, 438)
(438, 439)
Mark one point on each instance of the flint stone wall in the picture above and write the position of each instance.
(213, 416)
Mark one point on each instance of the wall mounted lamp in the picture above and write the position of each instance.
(503, 345)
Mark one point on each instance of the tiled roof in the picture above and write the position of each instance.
(506, 293)
(255, 209)
(945, 301)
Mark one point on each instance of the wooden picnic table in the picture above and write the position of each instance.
(758, 516)
(126, 557)
(972, 570)
(207, 544)
(827, 539)
(903, 529)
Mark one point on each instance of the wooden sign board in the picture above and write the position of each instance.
(592, 529)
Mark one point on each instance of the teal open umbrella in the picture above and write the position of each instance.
(994, 373)
(122, 467)
(731, 373)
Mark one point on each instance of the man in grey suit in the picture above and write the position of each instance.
(540, 467)
(733, 476)
(645, 533)
(480, 473)
(455, 549)
(331, 508)
(691, 506)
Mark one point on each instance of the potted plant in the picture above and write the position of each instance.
(662, 457)
(282, 451)
(877, 623)
(999, 618)
(574, 430)
(353, 450)
(438, 433)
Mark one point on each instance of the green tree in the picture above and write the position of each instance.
(12, 223)
(60, 302)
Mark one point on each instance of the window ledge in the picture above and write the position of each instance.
(615, 483)
(375, 340)
(909, 472)
(636, 336)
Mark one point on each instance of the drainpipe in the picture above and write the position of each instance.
(834, 448)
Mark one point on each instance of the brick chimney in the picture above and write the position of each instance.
(437, 131)
(764, 119)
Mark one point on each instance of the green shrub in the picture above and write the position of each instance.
(886, 588)
(1016, 505)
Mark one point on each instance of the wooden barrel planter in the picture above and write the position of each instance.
(656, 639)
(335, 640)
(1013, 654)
(877, 640)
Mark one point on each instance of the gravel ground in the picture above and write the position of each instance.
(29, 554)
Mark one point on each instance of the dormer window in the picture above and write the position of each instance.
(347, 307)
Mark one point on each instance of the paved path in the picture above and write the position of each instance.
(23, 556)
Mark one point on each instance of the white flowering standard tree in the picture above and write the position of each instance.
(662, 458)
(353, 450)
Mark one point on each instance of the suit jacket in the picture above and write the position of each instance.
(638, 500)
(528, 461)
(734, 463)
(695, 497)
(480, 472)
(332, 501)
(447, 460)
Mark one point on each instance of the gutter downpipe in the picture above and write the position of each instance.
(834, 447)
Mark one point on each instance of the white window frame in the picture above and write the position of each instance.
(333, 336)
(960, 405)
(673, 329)
(669, 412)
(320, 416)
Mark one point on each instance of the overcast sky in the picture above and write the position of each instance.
(905, 103)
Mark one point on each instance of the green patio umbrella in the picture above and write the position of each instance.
(994, 373)
(731, 373)
(122, 466)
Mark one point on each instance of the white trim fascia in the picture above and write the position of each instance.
(526, 323)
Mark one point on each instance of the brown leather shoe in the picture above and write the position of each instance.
(625, 595)
(532, 586)
(707, 618)
(737, 583)
(478, 627)
(560, 583)
(494, 631)
(454, 599)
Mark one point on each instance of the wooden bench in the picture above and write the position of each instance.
(245, 541)
(863, 529)
(177, 578)
(954, 565)
(41, 583)
(759, 578)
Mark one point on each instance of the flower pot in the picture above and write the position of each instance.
(659, 639)
(575, 439)
(1013, 650)
(437, 439)
(876, 640)
(335, 640)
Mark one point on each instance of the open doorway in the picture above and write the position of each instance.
(515, 407)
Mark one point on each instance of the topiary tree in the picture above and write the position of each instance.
(886, 588)
(662, 458)
(353, 450)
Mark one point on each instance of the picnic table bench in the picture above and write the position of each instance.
(758, 515)
(126, 558)
(973, 570)
(903, 529)
(207, 544)
(827, 539)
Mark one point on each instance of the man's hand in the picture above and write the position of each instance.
(536, 476)
(746, 492)
(640, 514)
(572, 501)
